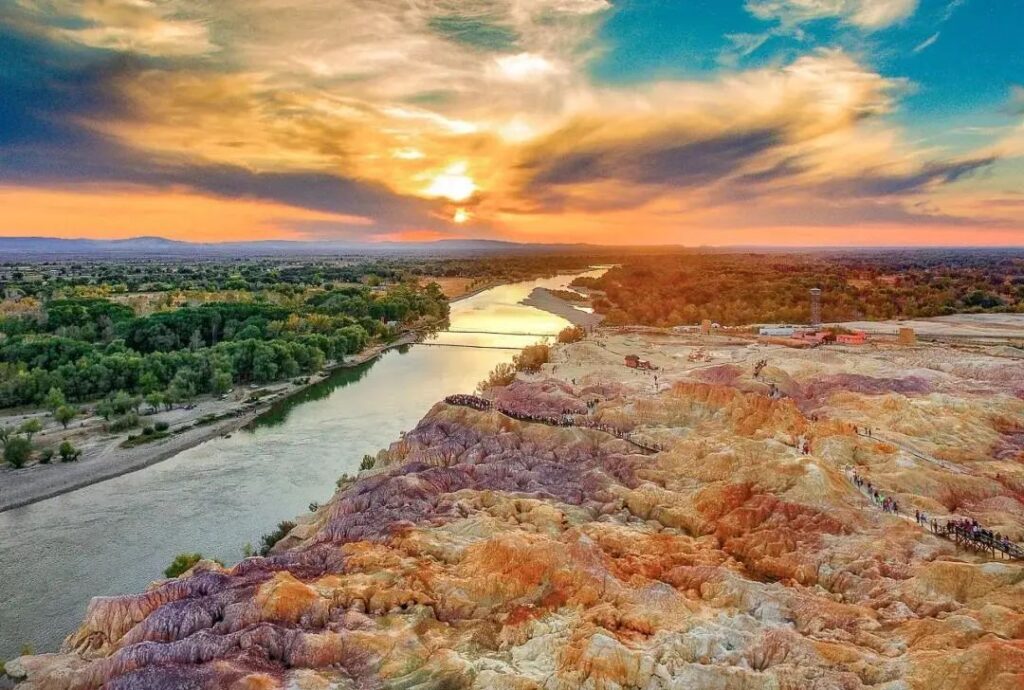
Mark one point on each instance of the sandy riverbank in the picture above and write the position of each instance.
(545, 300)
(104, 458)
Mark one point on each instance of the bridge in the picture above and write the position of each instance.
(468, 332)
(472, 347)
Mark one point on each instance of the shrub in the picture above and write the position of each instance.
(529, 360)
(268, 540)
(147, 431)
(502, 375)
(30, 427)
(46, 456)
(182, 563)
(367, 463)
(532, 357)
(68, 453)
(571, 334)
(161, 426)
(17, 450)
(124, 422)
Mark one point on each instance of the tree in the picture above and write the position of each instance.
(68, 452)
(30, 427)
(155, 400)
(221, 381)
(122, 402)
(264, 363)
(17, 450)
(64, 414)
(182, 388)
(196, 341)
(105, 408)
(148, 382)
(54, 399)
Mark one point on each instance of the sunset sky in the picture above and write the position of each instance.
(613, 121)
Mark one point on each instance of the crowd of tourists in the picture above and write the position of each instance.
(965, 530)
(473, 401)
(970, 531)
(566, 418)
(886, 503)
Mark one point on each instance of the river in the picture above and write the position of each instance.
(117, 536)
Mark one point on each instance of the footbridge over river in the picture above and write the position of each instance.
(521, 333)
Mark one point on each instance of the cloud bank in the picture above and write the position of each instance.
(364, 118)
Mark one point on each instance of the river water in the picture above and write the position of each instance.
(117, 536)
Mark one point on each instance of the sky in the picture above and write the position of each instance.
(695, 122)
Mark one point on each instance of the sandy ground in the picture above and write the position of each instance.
(600, 359)
(982, 326)
(102, 455)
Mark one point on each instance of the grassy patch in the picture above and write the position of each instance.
(143, 439)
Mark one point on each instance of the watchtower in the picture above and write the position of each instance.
(815, 306)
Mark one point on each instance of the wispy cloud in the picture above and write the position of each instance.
(865, 14)
(928, 42)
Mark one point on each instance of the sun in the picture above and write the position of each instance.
(453, 183)
(461, 216)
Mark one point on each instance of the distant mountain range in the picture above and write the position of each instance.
(23, 248)
(47, 248)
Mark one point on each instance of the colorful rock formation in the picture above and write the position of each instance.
(487, 552)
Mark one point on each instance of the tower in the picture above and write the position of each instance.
(815, 306)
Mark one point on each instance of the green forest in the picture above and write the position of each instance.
(88, 348)
(745, 288)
